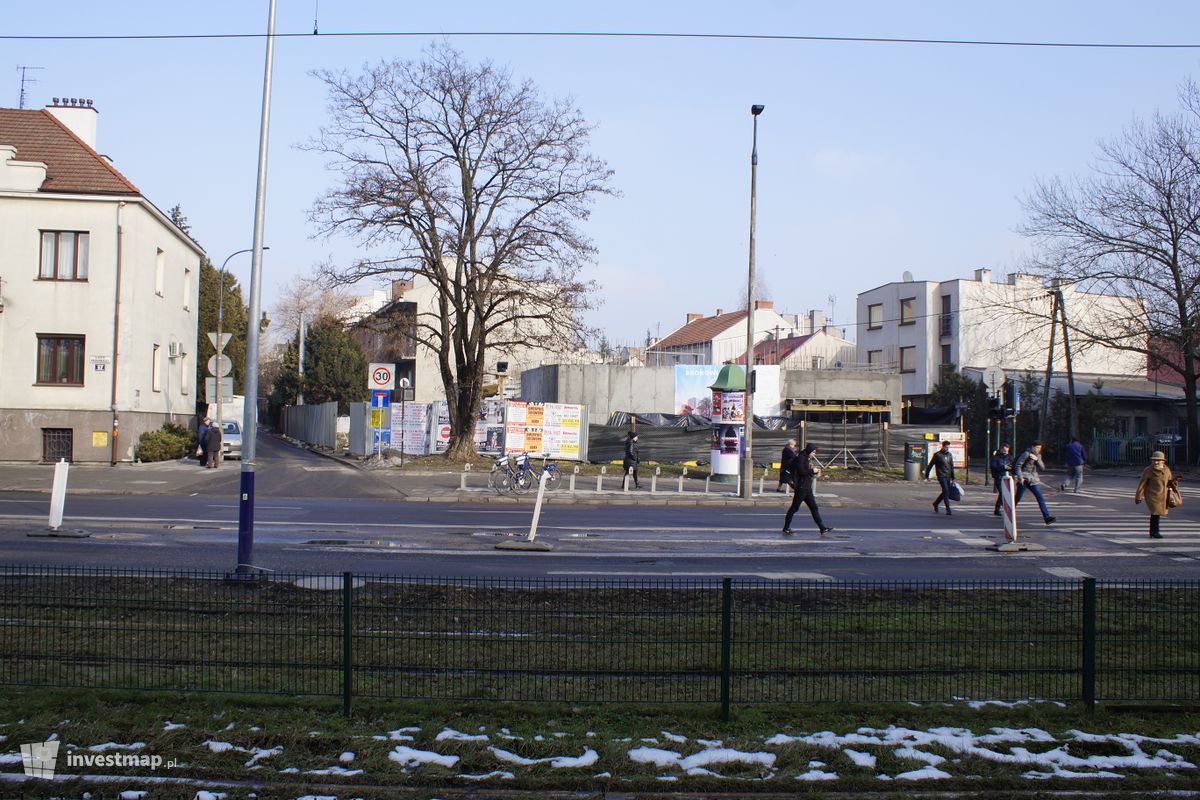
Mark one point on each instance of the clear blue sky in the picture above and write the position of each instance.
(873, 158)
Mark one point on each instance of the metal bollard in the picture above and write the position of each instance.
(763, 480)
(574, 472)
(654, 480)
(706, 480)
(681, 477)
(462, 479)
(600, 478)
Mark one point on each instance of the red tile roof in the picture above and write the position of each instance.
(71, 166)
(764, 351)
(701, 330)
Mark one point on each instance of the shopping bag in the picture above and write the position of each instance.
(1174, 498)
(956, 491)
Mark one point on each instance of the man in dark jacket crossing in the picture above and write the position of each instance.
(805, 470)
(943, 463)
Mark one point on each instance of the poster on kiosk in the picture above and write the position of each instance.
(728, 416)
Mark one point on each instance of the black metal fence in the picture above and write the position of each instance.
(732, 642)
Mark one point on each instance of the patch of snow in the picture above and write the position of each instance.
(10, 758)
(346, 757)
(919, 755)
(817, 775)
(409, 757)
(655, 756)
(726, 755)
(203, 795)
(674, 737)
(710, 743)
(667, 778)
(100, 748)
(289, 771)
(587, 759)
(334, 770)
(230, 726)
(602, 775)
(648, 740)
(504, 776)
(458, 736)
(923, 774)
(172, 726)
(133, 794)
(315, 797)
(860, 758)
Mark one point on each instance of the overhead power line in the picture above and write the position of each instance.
(614, 35)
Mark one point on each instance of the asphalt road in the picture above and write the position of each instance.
(316, 515)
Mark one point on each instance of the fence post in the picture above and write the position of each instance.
(1089, 645)
(726, 644)
(347, 628)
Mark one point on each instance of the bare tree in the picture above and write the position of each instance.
(308, 296)
(1133, 229)
(455, 173)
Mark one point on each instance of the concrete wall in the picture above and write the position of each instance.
(605, 388)
(21, 432)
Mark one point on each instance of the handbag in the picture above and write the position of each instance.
(1174, 498)
(956, 491)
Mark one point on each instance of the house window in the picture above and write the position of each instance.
(946, 355)
(156, 366)
(1141, 426)
(64, 256)
(60, 360)
(818, 362)
(908, 311)
(187, 290)
(160, 263)
(908, 359)
(183, 373)
(875, 317)
(874, 357)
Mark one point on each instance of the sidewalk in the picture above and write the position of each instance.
(184, 477)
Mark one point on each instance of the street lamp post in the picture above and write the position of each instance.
(747, 458)
(220, 343)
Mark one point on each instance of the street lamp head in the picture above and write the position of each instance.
(756, 109)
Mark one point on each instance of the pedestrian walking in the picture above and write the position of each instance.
(1076, 457)
(1157, 481)
(805, 470)
(212, 445)
(1001, 465)
(1028, 469)
(631, 458)
(942, 464)
(201, 447)
(787, 462)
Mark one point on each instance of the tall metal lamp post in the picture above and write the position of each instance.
(747, 459)
(220, 325)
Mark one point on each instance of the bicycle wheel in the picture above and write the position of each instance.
(552, 476)
(499, 480)
(522, 480)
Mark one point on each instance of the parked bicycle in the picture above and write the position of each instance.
(528, 475)
(502, 478)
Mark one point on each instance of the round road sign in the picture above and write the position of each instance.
(381, 376)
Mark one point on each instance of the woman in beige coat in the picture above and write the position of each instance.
(1153, 489)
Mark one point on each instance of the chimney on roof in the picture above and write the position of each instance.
(79, 115)
(692, 318)
(720, 311)
(399, 287)
(767, 305)
(983, 275)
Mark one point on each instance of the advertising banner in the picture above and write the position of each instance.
(692, 395)
(410, 424)
(550, 429)
(489, 426)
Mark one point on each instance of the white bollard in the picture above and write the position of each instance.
(58, 494)
(681, 477)
(537, 506)
(706, 480)
(625, 480)
(462, 480)
(654, 480)
(762, 480)
(574, 472)
(1008, 507)
(600, 478)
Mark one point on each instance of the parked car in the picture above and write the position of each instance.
(231, 440)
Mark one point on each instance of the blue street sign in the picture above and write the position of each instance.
(381, 398)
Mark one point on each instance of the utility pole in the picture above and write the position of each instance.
(1073, 417)
(1049, 367)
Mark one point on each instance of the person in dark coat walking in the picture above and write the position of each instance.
(787, 462)
(1076, 457)
(943, 464)
(1156, 480)
(631, 457)
(1001, 465)
(805, 470)
(201, 446)
(212, 445)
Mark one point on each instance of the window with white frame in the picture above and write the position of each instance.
(64, 256)
(187, 289)
(156, 366)
(184, 373)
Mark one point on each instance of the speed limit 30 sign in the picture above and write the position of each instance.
(381, 376)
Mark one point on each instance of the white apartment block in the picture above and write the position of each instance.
(98, 297)
(926, 329)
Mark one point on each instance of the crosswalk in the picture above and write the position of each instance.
(1093, 513)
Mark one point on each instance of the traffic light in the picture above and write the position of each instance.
(995, 409)
(1011, 405)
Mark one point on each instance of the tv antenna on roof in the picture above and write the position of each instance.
(25, 79)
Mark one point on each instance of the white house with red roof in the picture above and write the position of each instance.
(99, 296)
